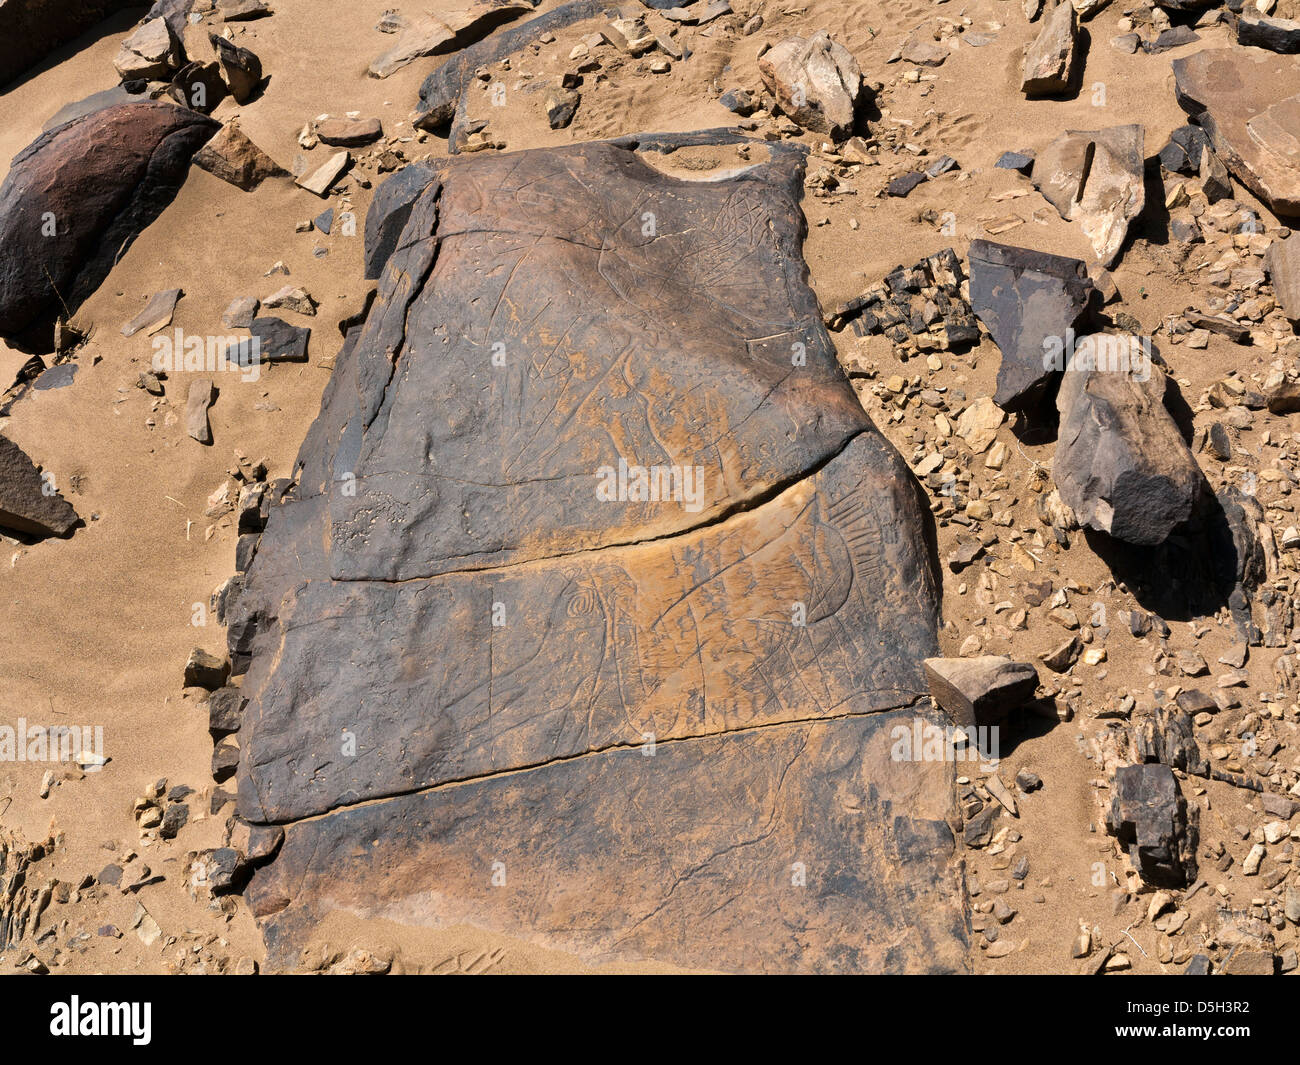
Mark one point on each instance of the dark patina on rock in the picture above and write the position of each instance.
(76, 198)
(658, 717)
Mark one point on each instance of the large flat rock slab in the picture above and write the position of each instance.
(793, 848)
(460, 634)
(1248, 100)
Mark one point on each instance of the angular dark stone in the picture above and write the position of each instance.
(981, 690)
(1167, 737)
(1275, 34)
(1168, 40)
(324, 221)
(1015, 161)
(1182, 155)
(1026, 299)
(225, 710)
(27, 502)
(1149, 816)
(241, 68)
(102, 179)
(738, 101)
(388, 214)
(1121, 463)
(571, 693)
(205, 670)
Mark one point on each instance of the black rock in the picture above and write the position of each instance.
(1167, 737)
(225, 710)
(225, 760)
(1149, 816)
(280, 341)
(904, 184)
(1174, 37)
(739, 101)
(1030, 301)
(29, 502)
(1275, 34)
(1198, 966)
(1020, 161)
(388, 214)
(102, 179)
(1182, 155)
(324, 221)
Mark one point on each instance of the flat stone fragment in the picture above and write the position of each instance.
(349, 132)
(1096, 178)
(1029, 301)
(431, 34)
(1121, 463)
(234, 158)
(1276, 34)
(151, 53)
(816, 81)
(598, 674)
(321, 179)
(157, 313)
(278, 341)
(1050, 60)
(980, 690)
(196, 410)
(29, 503)
(1248, 102)
(1282, 262)
(103, 178)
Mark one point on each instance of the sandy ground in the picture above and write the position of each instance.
(96, 629)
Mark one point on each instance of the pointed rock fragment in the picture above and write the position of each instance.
(1095, 178)
(234, 158)
(28, 501)
(1050, 60)
(981, 690)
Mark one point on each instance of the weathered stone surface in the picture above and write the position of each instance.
(1121, 463)
(31, 29)
(1027, 299)
(441, 90)
(509, 629)
(450, 27)
(684, 857)
(196, 410)
(1248, 102)
(1167, 737)
(1282, 261)
(388, 214)
(152, 52)
(816, 81)
(241, 68)
(233, 157)
(1050, 59)
(103, 178)
(1096, 178)
(349, 132)
(1275, 34)
(1149, 816)
(1182, 155)
(156, 313)
(982, 690)
(25, 505)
